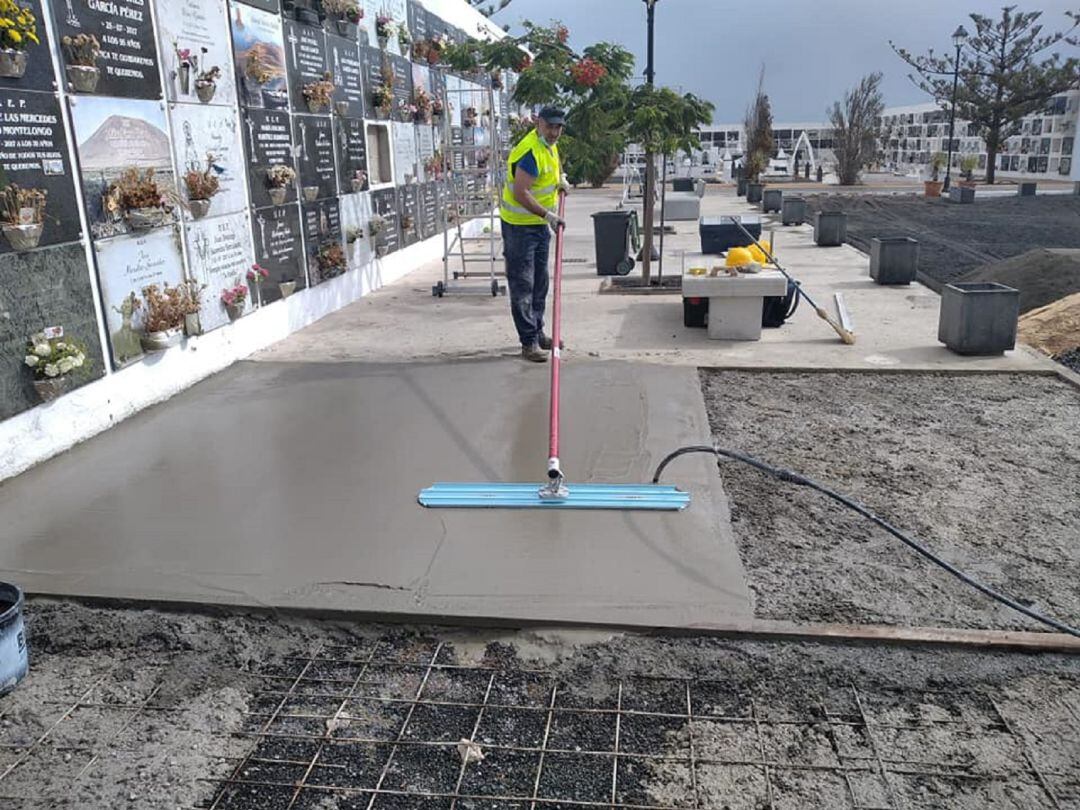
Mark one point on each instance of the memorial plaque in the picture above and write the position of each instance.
(126, 265)
(355, 216)
(345, 69)
(273, 6)
(372, 62)
(457, 157)
(39, 68)
(114, 136)
(402, 92)
(429, 210)
(268, 140)
(305, 54)
(409, 214)
(421, 77)
(193, 42)
(208, 137)
(39, 289)
(372, 9)
(34, 155)
(128, 64)
(315, 155)
(278, 247)
(258, 57)
(219, 252)
(322, 227)
(403, 137)
(437, 26)
(352, 155)
(385, 205)
(418, 21)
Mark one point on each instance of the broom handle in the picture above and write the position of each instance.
(554, 467)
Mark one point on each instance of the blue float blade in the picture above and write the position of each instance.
(655, 497)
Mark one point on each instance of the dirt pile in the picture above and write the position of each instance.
(1053, 329)
(1042, 276)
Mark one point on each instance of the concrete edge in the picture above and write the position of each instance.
(766, 630)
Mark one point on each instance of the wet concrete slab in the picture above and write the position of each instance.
(293, 485)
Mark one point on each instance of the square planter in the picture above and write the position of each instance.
(682, 184)
(978, 317)
(830, 228)
(718, 234)
(1027, 189)
(754, 192)
(793, 211)
(960, 194)
(894, 261)
(772, 199)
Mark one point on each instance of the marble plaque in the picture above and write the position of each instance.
(343, 59)
(39, 73)
(409, 214)
(39, 289)
(258, 57)
(278, 246)
(402, 70)
(316, 157)
(406, 169)
(210, 132)
(355, 215)
(219, 253)
(126, 265)
(372, 61)
(321, 222)
(305, 54)
(128, 64)
(429, 211)
(112, 136)
(385, 204)
(201, 28)
(268, 139)
(351, 145)
(34, 154)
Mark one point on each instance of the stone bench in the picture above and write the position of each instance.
(735, 302)
(682, 206)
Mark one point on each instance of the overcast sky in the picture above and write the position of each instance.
(812, 49)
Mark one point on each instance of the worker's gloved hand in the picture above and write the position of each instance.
(554, 221)
(564, 184)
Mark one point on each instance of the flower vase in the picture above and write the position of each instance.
(311, 193)
(160, 341)
(83, 78)
(143, 219)
(23, 237)
(235, 310)
(383, 42)
(12, 63)
(192, 324)
(184, 76)
(49, 388)
(205, 91)
(342, 108)
(199, 208)
(315, 106)
(287, 288)
(277, 194)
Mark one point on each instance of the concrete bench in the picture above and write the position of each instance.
(735, 302)
(682, 206)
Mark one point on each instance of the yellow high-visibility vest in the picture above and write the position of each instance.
(545, 188)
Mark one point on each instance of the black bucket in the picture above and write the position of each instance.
(14, 661)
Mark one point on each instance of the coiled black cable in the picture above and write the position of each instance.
(801, 480)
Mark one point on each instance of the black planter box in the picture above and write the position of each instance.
(1027, 189)
(978, 317)
(718, 234)
(772, 199)
(960, 194)
(894, 260)
(793, 211)
(830, 228)
(682, 184)
(754, 192)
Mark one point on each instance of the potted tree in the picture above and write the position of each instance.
(278, 179)
(16, 37)
(202, 185)
(968, 164)
(233, 299)
(82, 51)
(164, 319)
(22, 214)
(138, 198)
(54, 359)
(933, 186)
(318, 94)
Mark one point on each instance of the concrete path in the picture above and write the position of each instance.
(294, 486)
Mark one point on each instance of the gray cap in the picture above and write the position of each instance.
(553, 115)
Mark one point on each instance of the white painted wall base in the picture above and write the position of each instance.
(42, 432)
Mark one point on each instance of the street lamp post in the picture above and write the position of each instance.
(958, 37)
(650, 169)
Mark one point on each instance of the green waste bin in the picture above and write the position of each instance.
(613, 232)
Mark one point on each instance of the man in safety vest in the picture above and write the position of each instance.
(528, 209)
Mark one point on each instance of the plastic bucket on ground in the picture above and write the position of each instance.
(14, 661)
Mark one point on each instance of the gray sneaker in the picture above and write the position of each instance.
(534, 353)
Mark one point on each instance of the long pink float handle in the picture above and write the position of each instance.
(554, 467)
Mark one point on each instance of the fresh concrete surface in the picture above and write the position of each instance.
(294, 486)
(896, 328)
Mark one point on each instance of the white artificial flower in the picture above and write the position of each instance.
(61, 345)
(51, 370)
(31, 360)
(66, 365)
(78, 360)
(42, 349)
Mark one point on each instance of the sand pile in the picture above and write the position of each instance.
(1042, 275)
(1053, 329)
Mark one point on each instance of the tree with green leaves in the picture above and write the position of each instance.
(1006, 73)
(758, 125)
(489, 8)
(856, 129)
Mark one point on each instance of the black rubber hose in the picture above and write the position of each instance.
(802, 480)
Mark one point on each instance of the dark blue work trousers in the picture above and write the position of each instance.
(526, 250)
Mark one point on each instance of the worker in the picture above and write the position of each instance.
(530, 197)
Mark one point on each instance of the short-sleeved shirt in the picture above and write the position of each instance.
(528, 163)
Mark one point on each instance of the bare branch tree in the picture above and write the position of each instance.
(1003, 75)
(856, 128)
(758, 125)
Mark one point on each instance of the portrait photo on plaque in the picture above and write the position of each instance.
(125, 165)
(258, 57)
